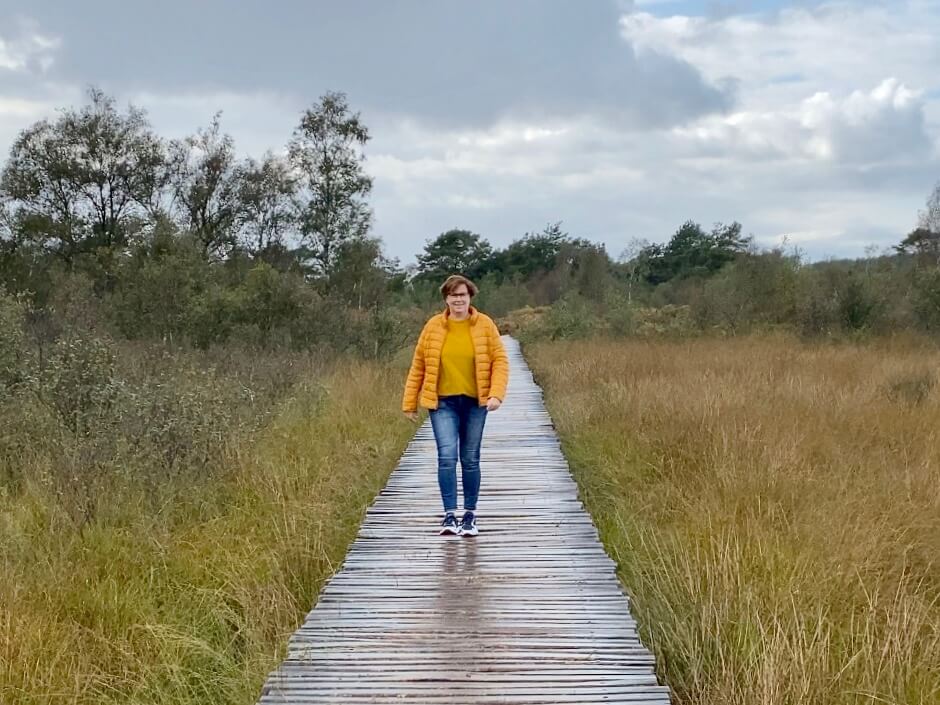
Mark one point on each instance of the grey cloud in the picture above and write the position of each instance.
(887, 136)
(444, 62)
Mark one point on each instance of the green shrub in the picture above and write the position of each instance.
(568, 318)
(756, 290)
(78, 380)
(12, 342)
(499, 299)
(155, 293)
(212, 316)
(619, 315)
(926, 299)
(857, 304)
(816, 312)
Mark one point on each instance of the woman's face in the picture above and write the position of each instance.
(458, 300)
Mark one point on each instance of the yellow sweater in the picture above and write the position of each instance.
(457, 369)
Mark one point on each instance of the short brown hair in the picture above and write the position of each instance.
(455, 280)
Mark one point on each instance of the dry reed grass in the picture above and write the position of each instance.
(774, 508)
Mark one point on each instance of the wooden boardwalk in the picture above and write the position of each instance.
(528, 612)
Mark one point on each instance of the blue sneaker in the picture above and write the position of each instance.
(468, 525)
(449, 525)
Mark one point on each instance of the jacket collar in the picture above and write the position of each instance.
(474, 315)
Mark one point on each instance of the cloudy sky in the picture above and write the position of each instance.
(817, 121)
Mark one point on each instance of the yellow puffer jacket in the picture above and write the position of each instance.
(489, 356)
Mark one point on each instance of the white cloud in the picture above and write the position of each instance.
(830, 139)
(885, 124)
(21, 108)
(28, 50)
(257, 121)
(774, 57)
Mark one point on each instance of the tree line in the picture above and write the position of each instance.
(183, 239)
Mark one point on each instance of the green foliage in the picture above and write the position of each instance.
(362, 274)
(158, 286)
(531, 254)
(835, 298)
(590, 269)
(275, 254)
(12, 342)
(269, 300)
(754, 290)
(923, 244)
(206, 184)
(84, 181)
(78, 381)
(91, 410)
(267, 216)
(691, 252)
(857, 303)
(926, 300)
(924, 241)
(389, 330)
(570, 318)
(212, 316)
(619, 314)
(325, 152)
(454, 252)
(550, 264)
(498, 299)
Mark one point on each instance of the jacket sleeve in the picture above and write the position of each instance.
(415, 379)
(500, 365)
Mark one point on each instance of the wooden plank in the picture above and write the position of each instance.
(530, 612)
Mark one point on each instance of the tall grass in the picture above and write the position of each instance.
(192, 601)
(773, 506)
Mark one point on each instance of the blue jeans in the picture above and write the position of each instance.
(458, 429)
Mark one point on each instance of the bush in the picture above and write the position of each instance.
(389, 330)
(926, 300)
(78, 381)
(568, 318)
(158, 288)
(499, 299)
(816, 313)
(212, 317)
(619, 315)
(857, 304)
(12, 342)
(755, 290)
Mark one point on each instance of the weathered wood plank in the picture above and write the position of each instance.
(530, 612)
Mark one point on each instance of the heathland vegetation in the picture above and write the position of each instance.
(201, 359)
(772, 505)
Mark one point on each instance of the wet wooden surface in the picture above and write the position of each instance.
(528, 612)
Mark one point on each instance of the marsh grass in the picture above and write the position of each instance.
(773, 507)
(192, 600)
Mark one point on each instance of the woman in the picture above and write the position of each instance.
(459, 372)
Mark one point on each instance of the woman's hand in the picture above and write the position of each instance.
(413, 415)
(492, 404)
